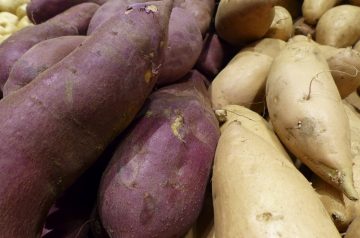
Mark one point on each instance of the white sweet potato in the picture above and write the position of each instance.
(256, 190)
(307, 113)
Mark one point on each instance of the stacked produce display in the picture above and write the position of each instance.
(179, 118)
(12, 17)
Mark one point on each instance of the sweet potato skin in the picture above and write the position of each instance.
(108, 10)
(79, 117)
(39, 11)
(74, 21)
(184, 47)
(155, 183)
(311, 95)
(212, 57)
(35, 61)
(201, 10)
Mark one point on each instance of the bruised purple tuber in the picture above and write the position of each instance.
(155, 183)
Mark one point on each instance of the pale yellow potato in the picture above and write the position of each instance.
(354, 229)
(282, 25)
(266, 46)
(241, 21)
(339, 26)
(21, 10)
(24, 22)
(313, 9)
(11, 5)
(258, 193)
(307, 113)
(242, 82)
(8, 22)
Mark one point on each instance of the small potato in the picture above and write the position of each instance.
(339, 27)
(21, 10)
(282, 25)
(24, 22)
(8, 23)
(241, 21)
(314, 9)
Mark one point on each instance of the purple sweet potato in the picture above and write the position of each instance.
(202, 10)
(155, 183)
(38, 59)
(184, 47)
(71, 215)
(53, 129)
(108, 10)
(213, 56)
(74, 21)
(39, 11)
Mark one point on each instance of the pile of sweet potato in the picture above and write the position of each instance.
(181, 118)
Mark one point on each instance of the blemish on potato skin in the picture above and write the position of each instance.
(148, 76)
(268, 216)
(148, 209)
(177, 125)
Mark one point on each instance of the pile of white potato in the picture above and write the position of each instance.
(12, 17)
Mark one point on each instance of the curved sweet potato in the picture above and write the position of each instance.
(79, 105)
(155, 183)
(72, 22)
(298, 101)
(39, 11)
(36, 61)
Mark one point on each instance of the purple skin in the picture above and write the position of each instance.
(155, 183)
(40, 11)
(58, 125)
(38, 59)
(202, 11)
(184, 47)
(74, 21)
(71, 215)
(108, 10)
(212, 58)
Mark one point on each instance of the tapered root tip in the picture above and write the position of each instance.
(347, 187)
